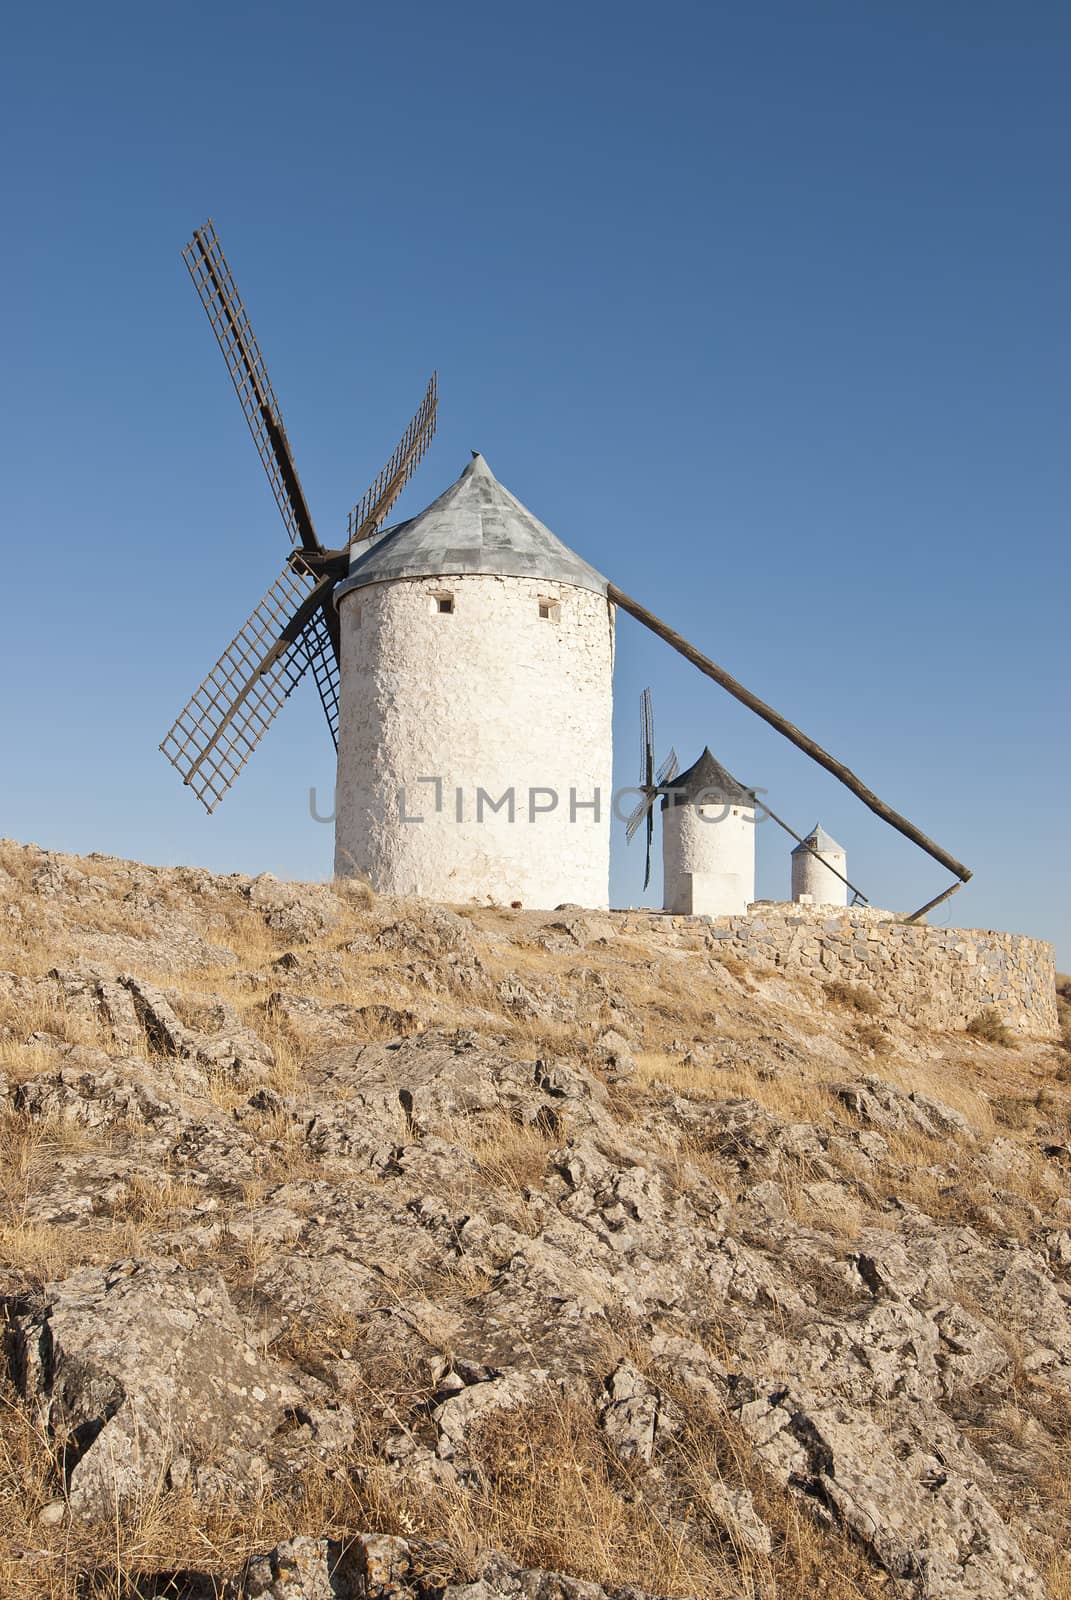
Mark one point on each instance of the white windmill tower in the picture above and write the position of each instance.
(468, 648)
(812, 879)
(708, 829)
(708, 842)
(477, 658)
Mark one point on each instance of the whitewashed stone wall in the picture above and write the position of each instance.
(708, 859)
(489, 697)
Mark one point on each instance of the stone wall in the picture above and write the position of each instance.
(941, 977)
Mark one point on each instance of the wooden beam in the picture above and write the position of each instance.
(788, 729)
(291, 482)
(937, 900)
(320, 563)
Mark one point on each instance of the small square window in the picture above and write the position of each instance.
(550, 610)
(442, 602)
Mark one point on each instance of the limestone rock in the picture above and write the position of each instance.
(143, 1376)
(303, 1569)
(635, 1415)
(406, 1244)
(735, 1509)
(384, 1567)
(338, 1022)
(922, 1519)
(881, 1105)
(298, 911)
(432, 932)
(576, 929)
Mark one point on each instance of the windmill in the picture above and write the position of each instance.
(476, 531)
(651, 782)
(294, 628)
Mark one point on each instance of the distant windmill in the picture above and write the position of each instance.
(295, 625)
(651, 782)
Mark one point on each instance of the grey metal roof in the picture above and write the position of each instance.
(708, 782)
(475, 526)
(818, 839)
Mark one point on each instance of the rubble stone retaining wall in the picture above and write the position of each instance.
(941, 977)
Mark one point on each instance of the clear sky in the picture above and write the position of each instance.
(762, 308)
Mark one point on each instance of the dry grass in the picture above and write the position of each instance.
(874, 1039)
(549, 1492)
(1033, 1418)
(990, 1026)
(29, 1153)
(855, 996)
(553, 1495)
(44, 1011)
(153, 1202)
(511, 1155)
(736, 967)
(33, 1252)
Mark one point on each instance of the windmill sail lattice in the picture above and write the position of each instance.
(224, 721)
(219, 295)
(294, 626)
(651, 782)
(320, 650)
(371, 511)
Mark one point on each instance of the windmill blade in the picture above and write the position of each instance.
(633, 823)
(219, 295)
(323, 659)
(646, 740)
(323, 646)
(224, 721)
(369, 514)
(669, 768)
(650, 836)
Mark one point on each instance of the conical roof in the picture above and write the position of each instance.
(708, 782)
(475, 526)
(818, 839)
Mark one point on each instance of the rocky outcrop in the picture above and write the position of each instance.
(142, 1375)
(318, 1241)
(374, 1567)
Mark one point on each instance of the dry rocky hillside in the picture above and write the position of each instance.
(354, 1248)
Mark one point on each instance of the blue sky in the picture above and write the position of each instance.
(761, 308)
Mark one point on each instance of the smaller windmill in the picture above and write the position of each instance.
(651, 783)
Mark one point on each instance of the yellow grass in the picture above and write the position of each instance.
(549, 1493)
